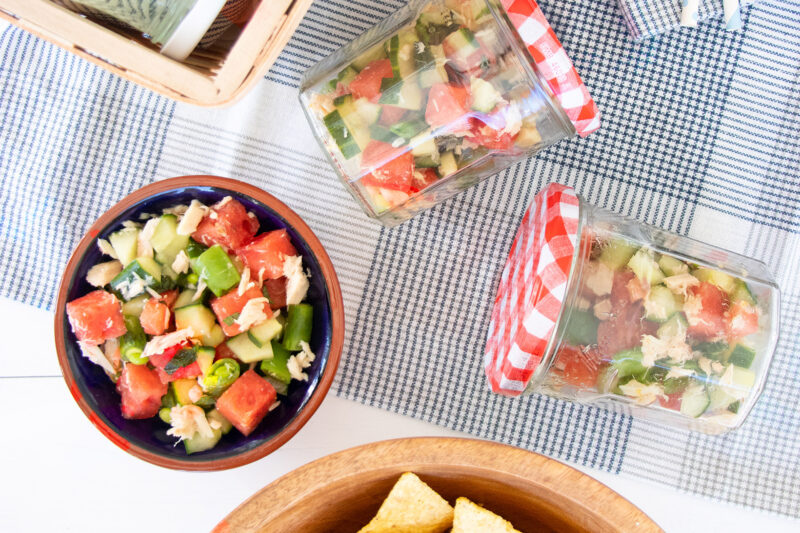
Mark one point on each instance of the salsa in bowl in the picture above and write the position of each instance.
(199, 323)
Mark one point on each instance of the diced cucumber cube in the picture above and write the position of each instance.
(180, 390)
(126, 244)
(425, 162)
(743, 378)
(484, 95)
(384, 134)
(247, 351)
(675, 385)
(629, 363)
(461, 45)
(166, 241)
(140, 273)
(695, 400)
(225, 425)
(347, 75)
(184, 298)
(724, 281)
(424, 145)
(392, 48)
(205, 358)
(134, 307)
(660, 304)
(354, 116)
(401, 93)
(202, 321)
(742, 381)
(400, 49)
(718, 351)
(432, 75)
(616, 253)
(581, 328)
(368, 112)
(379, 203)
(341, 134)
(447, 164)
(720, 398)
(199, 443)
(215, 337)
(742, 293)
(672, 266)
(408, 128)
(742, 356)
(673, 328)
(644, 265)
(265, 332)
(280, 387)
(373, 54)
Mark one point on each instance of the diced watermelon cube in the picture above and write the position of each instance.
(247, 401)
(96, 317)
(227, 224)
(267, 251)
(227, 308)
(141, 391)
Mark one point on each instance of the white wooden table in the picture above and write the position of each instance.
(60, 474)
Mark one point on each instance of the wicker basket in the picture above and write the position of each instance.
(214, 76)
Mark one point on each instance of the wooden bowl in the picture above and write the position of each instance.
(341, 492)
(146, 439)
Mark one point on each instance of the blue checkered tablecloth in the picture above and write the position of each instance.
(700, 136)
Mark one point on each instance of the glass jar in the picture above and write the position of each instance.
(176, 25)
(659, 325)
(434, 99)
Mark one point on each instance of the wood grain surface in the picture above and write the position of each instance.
(341, 492)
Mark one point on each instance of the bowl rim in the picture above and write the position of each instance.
(544, 474)
(334, 298)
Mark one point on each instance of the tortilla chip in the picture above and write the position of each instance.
(470, 517)
(411, 507)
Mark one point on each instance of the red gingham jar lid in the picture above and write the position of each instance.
(553, 64)
(532, 288)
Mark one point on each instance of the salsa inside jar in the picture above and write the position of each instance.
(447, 95)
(654, 329)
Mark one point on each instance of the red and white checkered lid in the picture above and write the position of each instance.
(553, 63)
(532, 289)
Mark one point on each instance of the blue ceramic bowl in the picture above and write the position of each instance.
(147, 439)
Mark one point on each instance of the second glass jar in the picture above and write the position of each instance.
(671, 329)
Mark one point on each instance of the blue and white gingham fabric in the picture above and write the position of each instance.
(646, 18)
(700, 136)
